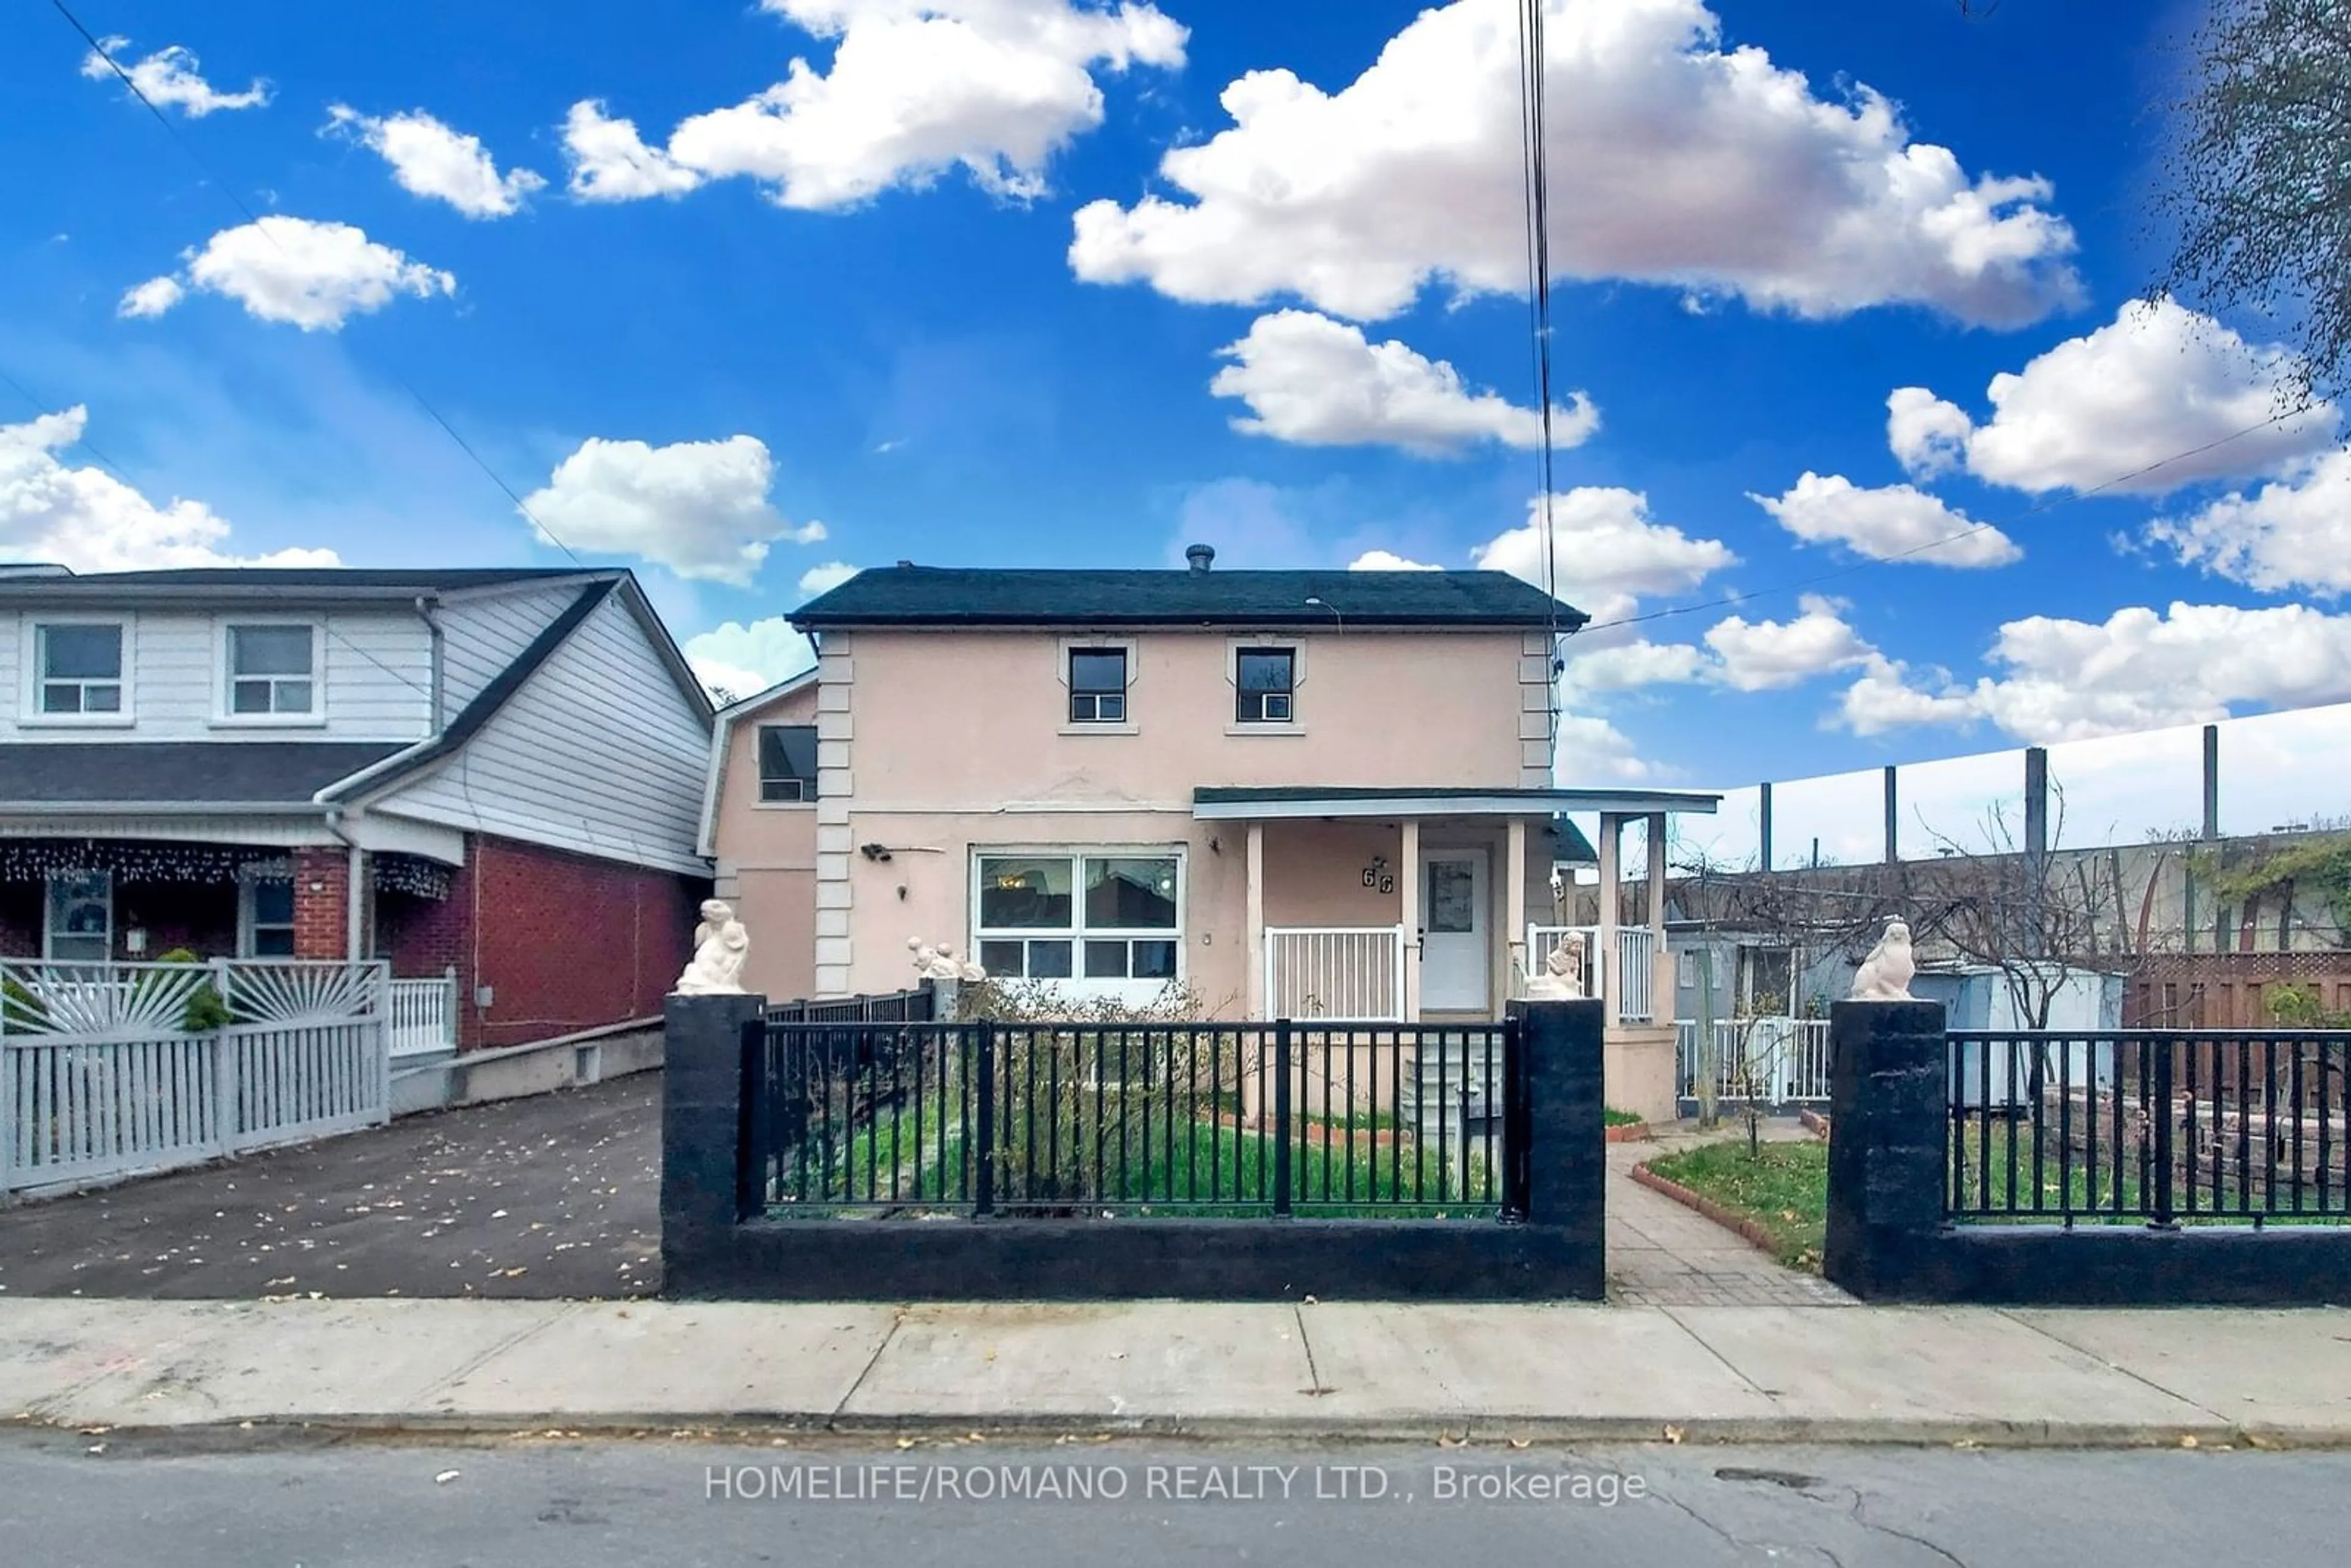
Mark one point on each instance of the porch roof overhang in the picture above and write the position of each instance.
(1307, 801)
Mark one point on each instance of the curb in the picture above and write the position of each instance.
(1444, 1429)
(1631, 1133)
(1813, 1123)
(1745, 1229)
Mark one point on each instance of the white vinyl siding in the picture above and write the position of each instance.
(482, 636)
(374, 677)
(600, 753)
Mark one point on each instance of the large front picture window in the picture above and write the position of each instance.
(79, 928)
(1115, 918)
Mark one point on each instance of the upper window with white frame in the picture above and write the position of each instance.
(1092, 917)
(79, 671)
(1266, 682)
(787, 763)
(272, 670)
(1097, 685)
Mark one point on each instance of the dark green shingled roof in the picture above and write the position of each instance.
(952, 596)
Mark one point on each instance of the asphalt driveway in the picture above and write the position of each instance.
(556, 1194)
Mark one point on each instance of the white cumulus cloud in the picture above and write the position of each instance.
(1591, 750)
(430, 159)
(1315, 382)
(699, 507)
(1628, 666)
(1387, 560)
(169, 80)
(2063, 679)
(1763, 655)
(2160, 398)
(737, 660)
(1897, 522)
(90, 520)
(2295, 534)
(915, 87)
(314, 275)
(824, 578)
(1606, 551)
(1674, 161)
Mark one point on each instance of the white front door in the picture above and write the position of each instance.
(1454, 947)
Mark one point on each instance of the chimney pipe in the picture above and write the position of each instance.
(1202, 557)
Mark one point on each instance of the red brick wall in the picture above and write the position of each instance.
(20, 919)
(564, 942)
(321, 903)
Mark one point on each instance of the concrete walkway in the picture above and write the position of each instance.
(1257, 1371)
(1665, 1254)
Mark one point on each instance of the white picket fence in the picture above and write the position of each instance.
(424, 1015)
(1785, 1060)
(1356, 973)
(102, 1076)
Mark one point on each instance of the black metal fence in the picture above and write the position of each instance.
(1070, 1119)
(2163, 1127)
(920, 1005)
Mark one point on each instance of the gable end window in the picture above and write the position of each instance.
(272, 670)
(80, 669)
(1267, 679)
(1097, 685)
(787, 763)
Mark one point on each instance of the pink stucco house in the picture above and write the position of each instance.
(1303, 794)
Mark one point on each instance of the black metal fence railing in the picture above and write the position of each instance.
(920, 1005)
(2160, 1126)
(1066, 1119)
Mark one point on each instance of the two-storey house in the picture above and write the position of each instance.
(1292, 793)
(486, 776)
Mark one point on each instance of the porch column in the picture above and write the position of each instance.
(1514, 894)
(1661, 976)
(1408, 902)
(1602, 964)
(1253, 938)
(322, 903)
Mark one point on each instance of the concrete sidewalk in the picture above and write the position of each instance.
(1352, 1370)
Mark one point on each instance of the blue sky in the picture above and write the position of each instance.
(737, 294)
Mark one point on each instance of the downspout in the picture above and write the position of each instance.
(425, 604)
(354, 878)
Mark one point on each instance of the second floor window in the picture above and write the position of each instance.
(787, 763)
(1097, 685)
(271, 671)
(1268, 679)
(81, 669)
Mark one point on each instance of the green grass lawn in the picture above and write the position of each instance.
(1615, 1118)
(1784, 1189)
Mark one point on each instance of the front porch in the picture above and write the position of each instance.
(1433, 906)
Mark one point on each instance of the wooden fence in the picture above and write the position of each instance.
(2229, 991)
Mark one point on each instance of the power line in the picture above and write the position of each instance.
(1729, 600)
(258, 227)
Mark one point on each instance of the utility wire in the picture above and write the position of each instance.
(258, 227)
(1729, 600)
(1537, 190)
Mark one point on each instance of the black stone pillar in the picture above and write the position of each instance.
(1567, 1139)
(702, 1130)
(1889, 1120)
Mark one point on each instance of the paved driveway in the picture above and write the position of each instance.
(557, 1194)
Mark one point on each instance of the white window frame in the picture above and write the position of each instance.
(1127, 645)
(225, 712)
(1077, 933)
(247, 921)
(31, 713)
(1295, 646)
(48, 921)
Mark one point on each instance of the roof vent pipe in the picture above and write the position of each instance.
(1202, 557)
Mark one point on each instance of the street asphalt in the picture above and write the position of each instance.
(68, 1500)
(551, 1196)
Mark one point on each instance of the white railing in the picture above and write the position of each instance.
(1354, 972)
(1786, 1060)
(113, 1071)
(1636, 952)
(424, 1016)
